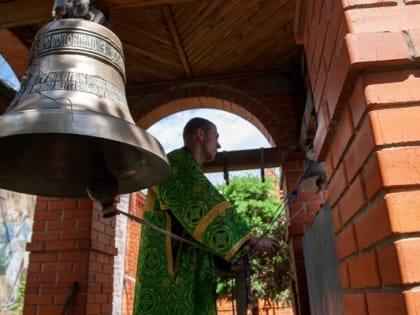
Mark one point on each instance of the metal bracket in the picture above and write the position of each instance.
(262, 164)
(225, 169)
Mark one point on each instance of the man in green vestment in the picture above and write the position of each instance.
(177, 278)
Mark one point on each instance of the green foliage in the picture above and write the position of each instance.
(3, 259)
(259, 203)
(18, 305)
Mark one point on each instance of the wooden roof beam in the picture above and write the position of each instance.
(247, 159)
(27, 12)
(121, 4)
(177, 41)
(23, 12)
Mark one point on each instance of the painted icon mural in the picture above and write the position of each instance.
(16, 218)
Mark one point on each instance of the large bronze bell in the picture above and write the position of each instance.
(68, 132)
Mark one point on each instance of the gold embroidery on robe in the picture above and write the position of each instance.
(209, 217)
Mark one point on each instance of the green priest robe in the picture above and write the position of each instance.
(175, 278)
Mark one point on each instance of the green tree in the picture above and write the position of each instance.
(260, 204)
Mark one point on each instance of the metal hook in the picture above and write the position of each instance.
(225, 170)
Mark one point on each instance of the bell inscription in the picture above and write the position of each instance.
(78, 41)
(75, 82)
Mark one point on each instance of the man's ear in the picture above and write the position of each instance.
(200, 133)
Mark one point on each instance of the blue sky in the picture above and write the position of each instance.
(7, 74)
(235, 134)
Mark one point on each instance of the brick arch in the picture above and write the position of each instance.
(182, 104)
(158, 104)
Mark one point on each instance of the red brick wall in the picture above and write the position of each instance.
(71, 243)
(270, 108)
(225, 307)
(362, 59)
(133, 241)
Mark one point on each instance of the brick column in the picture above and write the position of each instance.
(301, 211)
(72, 250)
(362, 59)
(133, 241)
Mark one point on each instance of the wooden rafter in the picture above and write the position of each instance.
(120, 4)
(23, 12)
(247, 159)
(177, 41)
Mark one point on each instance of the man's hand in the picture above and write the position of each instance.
(264, 244)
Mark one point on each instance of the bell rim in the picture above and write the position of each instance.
(79, 123)
(71, 122)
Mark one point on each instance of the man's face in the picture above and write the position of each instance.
(210, 144)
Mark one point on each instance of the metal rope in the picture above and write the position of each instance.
(163, 231)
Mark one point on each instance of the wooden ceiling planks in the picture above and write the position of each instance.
(205, 26)
(177, 41)
(217, 39)
(149, 21)
(263, 46)
(141, 68)
(148, 43)
(118, 4)
(166, 40)
(193, 16)
(234, 30)
(260, 37)
(24, 12)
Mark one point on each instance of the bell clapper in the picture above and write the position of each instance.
(102, 186)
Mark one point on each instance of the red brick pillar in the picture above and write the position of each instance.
(72, 249)
(301, 211)
(362, 59)
(133, 241)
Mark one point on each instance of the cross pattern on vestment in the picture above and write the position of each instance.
(151, 261)
(147, 302)
(220, 238)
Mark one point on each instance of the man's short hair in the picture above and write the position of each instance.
(194, 124)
